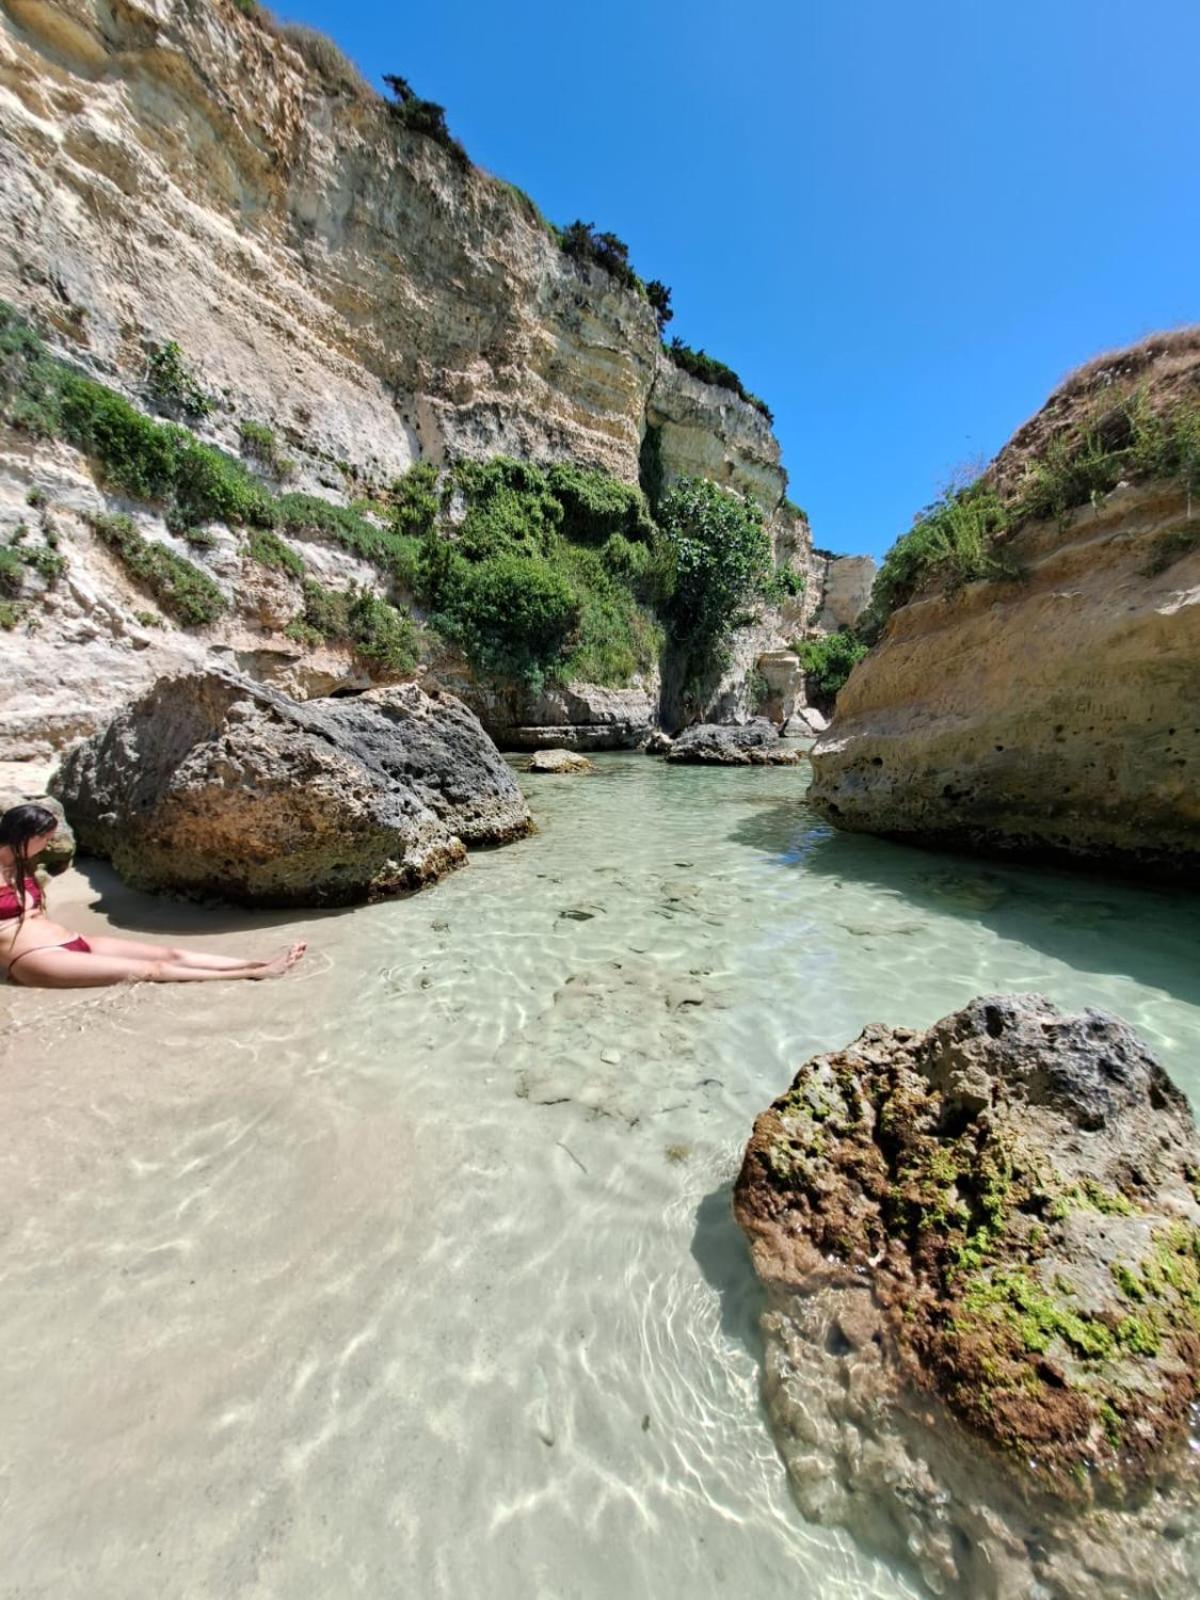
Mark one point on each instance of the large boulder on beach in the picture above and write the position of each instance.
(749, 744)
(981, 1250)
(213, 785)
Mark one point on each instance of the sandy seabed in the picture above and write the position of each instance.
(414, 1272)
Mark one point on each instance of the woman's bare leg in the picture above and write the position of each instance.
(73, 969)
(202, 960)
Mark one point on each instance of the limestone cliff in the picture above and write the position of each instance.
(174, 170)
(1050, 708)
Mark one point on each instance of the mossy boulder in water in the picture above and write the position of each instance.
(981, 1246)
(213, 785)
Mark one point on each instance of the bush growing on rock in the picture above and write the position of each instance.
(378, 633)
(960, 537)
(513, 615)
(722, 557)
(829, 661)
(174, 387)
(423, 116)
(708, 370)
(181, 589)
(582, 242)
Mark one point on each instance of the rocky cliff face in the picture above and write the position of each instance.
(1052, 710)
(172, 170)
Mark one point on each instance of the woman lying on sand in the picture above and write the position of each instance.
(44, 955)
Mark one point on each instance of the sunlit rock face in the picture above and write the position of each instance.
(210, 785)
(182, 172)
(981, 1254)
(1051, 714)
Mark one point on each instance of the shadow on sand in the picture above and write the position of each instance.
(159, 916)
(721, 1253)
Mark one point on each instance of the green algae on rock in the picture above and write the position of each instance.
(1006, 1205)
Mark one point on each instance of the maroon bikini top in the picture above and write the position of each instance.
(10, 906)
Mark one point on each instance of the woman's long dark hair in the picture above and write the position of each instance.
(18, 826)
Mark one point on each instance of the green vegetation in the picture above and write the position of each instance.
(182, 590)
(709, 370)
(269, 550)
(785, 583)
(559, 573)
(721, 556)
(423, 116)
(550, 573)
(17, 557)
(260, 444)
(1014, 1297)
(10, 614)
(174, 387)
(953, 538)
(828, 661)
(959, 539)
(381, 635)
(659, 297)
(582, 242)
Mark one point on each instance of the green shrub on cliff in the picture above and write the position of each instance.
(708, 370)
(549, 574)
(829, 661)
(181, 589)
(595, 506)
(174, 387)
(422, 116)
(961, 537)
(722, 558)
(513, 614)
(582, 242)
(376, 631)
(951, 539)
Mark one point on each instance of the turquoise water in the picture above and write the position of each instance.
(416, 1273)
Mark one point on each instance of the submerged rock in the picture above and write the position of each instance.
(210, 784)
(981, 1246)
(558, 761)
(755, 743)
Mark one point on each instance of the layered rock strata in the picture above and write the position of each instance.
(981, 1248)
(180, 171)
(213, 785)
(297, 241)
(1052, 713)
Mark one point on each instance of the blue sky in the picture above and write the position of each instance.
(901, 224)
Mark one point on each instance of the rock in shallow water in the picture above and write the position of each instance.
(558, 761)
(210, 784)
(981, 1246)
(750, 744)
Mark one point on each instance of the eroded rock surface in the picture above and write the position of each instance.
(210, 784)
(752, 744)
(558, 761)
(981, 1246)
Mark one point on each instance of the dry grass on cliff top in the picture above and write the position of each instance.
(1164, 368)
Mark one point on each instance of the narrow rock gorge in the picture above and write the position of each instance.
(216, 219)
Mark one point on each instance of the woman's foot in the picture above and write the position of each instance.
(283, 962)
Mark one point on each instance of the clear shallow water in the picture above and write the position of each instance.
(418, 1275)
